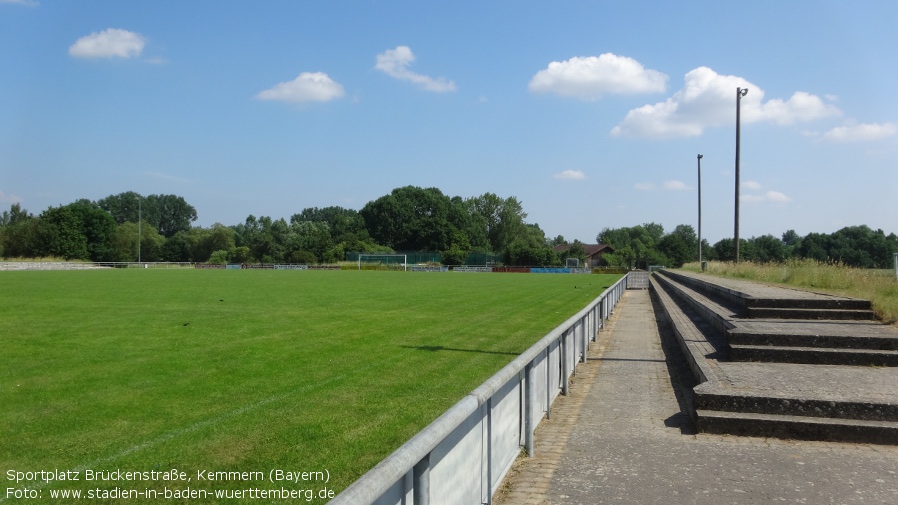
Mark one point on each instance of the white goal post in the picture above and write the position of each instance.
(385, 256)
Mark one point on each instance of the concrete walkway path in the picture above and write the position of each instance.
(621, 436)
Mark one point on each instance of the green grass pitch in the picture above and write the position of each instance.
(250, 370)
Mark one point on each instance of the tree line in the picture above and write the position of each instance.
(129, 227)
(648, 244)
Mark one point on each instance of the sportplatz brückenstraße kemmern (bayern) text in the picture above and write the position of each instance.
(39, 478)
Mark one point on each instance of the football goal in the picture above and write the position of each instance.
(383, 262)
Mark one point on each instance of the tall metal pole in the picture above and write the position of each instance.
(699, 210)
(139, 219)
(740, 92)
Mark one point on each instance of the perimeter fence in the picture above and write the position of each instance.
(463, 455)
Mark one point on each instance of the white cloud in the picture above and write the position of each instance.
(111, 43)
(776, 196)
(672, 185)
(854, 132)
(751, 185)
(576, 175)
(308, 87)
(770, 196)
(708, 99)
(675, 185)
(29, 3)
(395, 63)
(588, 78)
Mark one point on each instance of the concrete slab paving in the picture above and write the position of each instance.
(622, 436)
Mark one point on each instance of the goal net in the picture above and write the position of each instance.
(383, 262)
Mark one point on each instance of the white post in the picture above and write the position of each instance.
(896, 265)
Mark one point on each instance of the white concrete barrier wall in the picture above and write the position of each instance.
(463, 456)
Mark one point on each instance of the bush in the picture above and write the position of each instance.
(219, 258)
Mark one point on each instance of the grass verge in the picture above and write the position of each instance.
(878, 286)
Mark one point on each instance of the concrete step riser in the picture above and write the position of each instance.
(719, 293)
(798, 430)
(824, 341)
(770, 354)
(809, 304)
(714, 320)
(794, 407)
(810, 314)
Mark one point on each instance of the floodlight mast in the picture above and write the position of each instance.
(699, 157)
(139, 219)
(740, 92)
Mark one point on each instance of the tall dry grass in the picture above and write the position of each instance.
(878, 286)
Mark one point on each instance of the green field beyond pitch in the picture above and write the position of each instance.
(248, 371)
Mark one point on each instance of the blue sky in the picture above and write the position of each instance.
(590, 113)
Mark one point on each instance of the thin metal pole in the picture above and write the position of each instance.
(740, 92)
(421, 481)
(699, 210)
(528, 410)
(564, 363)
(139, 221)
(489, 451)
(548, 381)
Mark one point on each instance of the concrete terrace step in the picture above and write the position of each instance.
(797, 427)
(782, 399)
(826, 392)
(805, 333)
(753, 312)
(819, 301)
(747, 294)
(813, 355)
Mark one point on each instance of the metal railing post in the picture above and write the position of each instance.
(528, 409)
(584, 331)
(421, 482)
(564, 363)
(489, 451)
(548, 382)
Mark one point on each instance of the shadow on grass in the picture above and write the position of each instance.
(436, 348)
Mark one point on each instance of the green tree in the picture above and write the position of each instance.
(205, 241)
(123, 207)
(14, 215)
(344, 224)
(18, 233)
(312, 237)
(636, 246)
(726, 251)
(410, 219)
(59, 234)
(177, 247)
(530, 248)
(98, 228)
(169, 214)
(791, 243)
(679, 246)
(503, 218)
(126, 238)
(766, 248)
